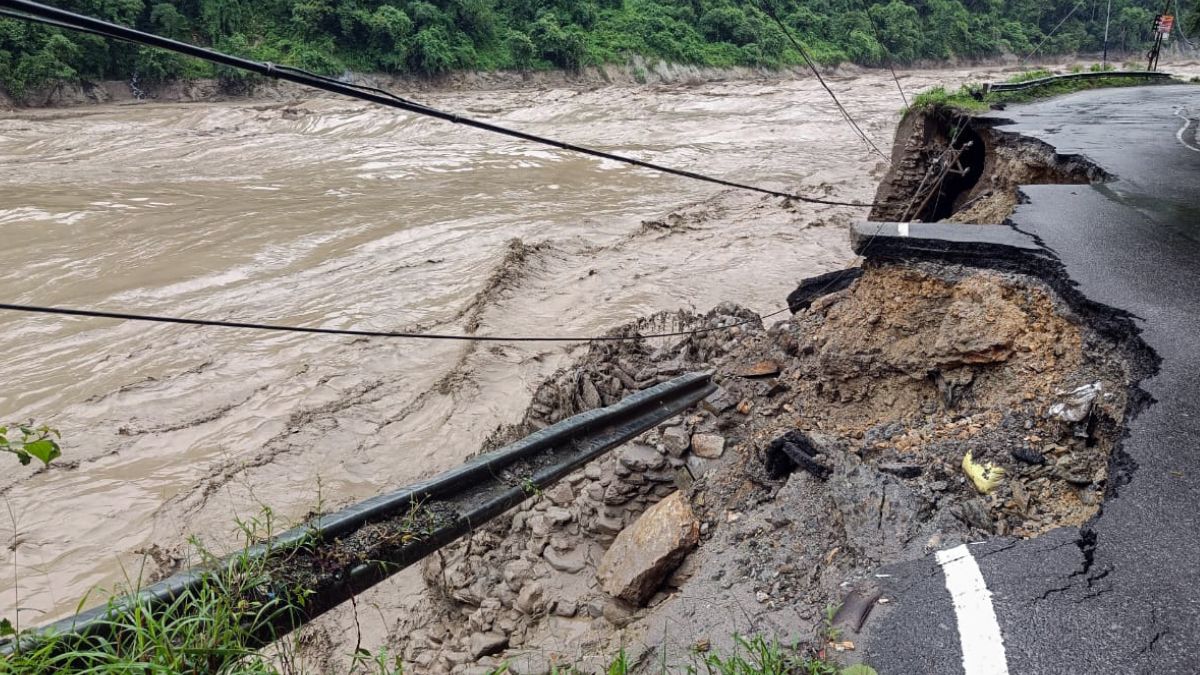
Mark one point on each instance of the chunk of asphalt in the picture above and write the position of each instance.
(902, 470)
(856, 607)
(791, 451)
(814, 289)
(1029, 456)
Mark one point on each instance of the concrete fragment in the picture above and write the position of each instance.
(648, 550)
(708, 446)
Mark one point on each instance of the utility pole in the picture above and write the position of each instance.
(1158, 35)
(1107, 22)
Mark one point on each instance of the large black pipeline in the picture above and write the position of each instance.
(446, 507)
(34, 11)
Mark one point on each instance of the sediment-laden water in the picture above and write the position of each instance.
(327, 212)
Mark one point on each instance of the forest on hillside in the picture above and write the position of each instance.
(432, 37)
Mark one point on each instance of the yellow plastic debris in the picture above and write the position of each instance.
(985, 476)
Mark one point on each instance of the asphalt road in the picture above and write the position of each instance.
(1122, 595)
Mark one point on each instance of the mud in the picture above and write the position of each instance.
(894, 379)
(321, 212)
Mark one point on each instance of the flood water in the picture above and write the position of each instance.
(327, 212)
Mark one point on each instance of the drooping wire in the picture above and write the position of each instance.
(812, 65)
(33, 11)
(887, 53)
(279, 328)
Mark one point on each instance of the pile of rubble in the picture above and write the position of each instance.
(918, 408)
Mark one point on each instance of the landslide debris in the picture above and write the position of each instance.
(884, 387)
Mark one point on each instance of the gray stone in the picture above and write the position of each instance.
(638, 458)
(676, 441)
(558, 515)
(561, 494)
(568, 561)
(566, 608)
(531, 599)
(618, 612)
(487, 644)
(719, 401)
(708, 446)
(648, 550)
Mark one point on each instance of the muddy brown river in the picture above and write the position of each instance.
(327, 212)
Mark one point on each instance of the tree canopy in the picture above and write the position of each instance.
(431, 37)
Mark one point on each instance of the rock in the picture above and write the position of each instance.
(708, 446)
(569, 562)
(639, 458)
(762, 597)
(761, 369)
(487, 644)
(561, 494)
(676, 441)
(558, 515)
(566, 608)
(531, 599)
(719, 401)
(618, 612)
(648, 550)
(1076, 406)
(745, 407)
(619, 493)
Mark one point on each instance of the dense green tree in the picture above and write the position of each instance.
(431, 37)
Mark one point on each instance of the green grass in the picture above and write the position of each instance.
(209, 629)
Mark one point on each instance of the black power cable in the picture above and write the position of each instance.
(812, 65)
(33, 11)
(887, 53)
(277, 328)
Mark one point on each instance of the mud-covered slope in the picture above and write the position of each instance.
(894, 380)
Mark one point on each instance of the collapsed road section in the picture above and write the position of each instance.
(970, 383)
(1117, 594)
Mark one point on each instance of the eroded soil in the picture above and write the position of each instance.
(894, 379)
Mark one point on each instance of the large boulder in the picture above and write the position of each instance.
(647, 551)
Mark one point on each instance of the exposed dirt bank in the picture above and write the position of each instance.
(954, 167)
(920, 407)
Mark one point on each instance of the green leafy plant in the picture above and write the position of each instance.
(30, 442)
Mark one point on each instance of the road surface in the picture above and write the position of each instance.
(1122, 595)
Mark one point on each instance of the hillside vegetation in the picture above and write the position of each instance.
(432, 37)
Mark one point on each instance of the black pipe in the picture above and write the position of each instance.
(455, 502)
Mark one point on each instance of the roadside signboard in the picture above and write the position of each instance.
(1165, 24)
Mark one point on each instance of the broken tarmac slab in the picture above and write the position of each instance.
(997, 246)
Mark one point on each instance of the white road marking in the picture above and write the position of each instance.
(978, 630)
(1187, 123)
(903, 227)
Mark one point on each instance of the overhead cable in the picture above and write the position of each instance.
(33, 11)
(278, 328)
(812, 65)
(1060, 25)
(887, 53)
